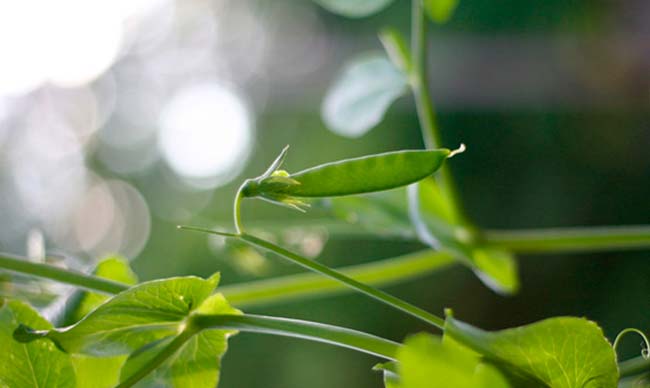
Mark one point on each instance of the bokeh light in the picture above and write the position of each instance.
(206, 134)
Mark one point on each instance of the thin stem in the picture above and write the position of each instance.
(312, 331)
(419, 78)
(237, 209)
(160, 358)
(89, 282)
(419, 82)
(632, 330)
(585, 239)
(301, 286)
(361, 287)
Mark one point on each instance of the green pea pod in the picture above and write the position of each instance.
(346, 177)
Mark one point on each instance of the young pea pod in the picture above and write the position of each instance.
(346, 177)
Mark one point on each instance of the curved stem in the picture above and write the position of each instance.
(89, 282)
(644, 352)
(309, 285)
(372, 292)
(312, 331)
(583, 239)
(237, 209)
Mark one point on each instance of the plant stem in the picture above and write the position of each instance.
(361, 287)
(237, 209)
(312, 331)
(419, 79)
(419, 82)
(292, 287)
(634, 366)
(89, 282)
(160, 358)
(585, 239)
(263, 292)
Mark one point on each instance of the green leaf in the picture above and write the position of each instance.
(436, 224)
(82, 302)
(350, 176)
(440, 10)
(354, 8)
(197, 362)
(39, 365)
(564, 352)
(98, 372)
(427, 361)
(360, 96)
(136, 317)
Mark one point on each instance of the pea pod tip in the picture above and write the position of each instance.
(457, 151)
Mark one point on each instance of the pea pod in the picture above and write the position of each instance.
(346, 177)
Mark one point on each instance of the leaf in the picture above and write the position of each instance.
(354, 8)
(113, 268)
(136, 317)
(427, 361)
(440, 225)
(360, 96)
(440, 11)
(98, 372)
(197, 363)
(70, 307)
(39, 365)
(436, 224)
(563, 352)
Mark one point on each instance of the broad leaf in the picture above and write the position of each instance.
(358, 99)
(40, 364)
(354, 8)
(197, 363)
(427, 361)
(136, 317)
(440, 10)
(564, 352)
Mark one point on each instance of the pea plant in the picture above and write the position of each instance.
(115, 331)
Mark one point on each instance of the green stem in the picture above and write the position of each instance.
(634, 366)
(237, 209)
(326, 271)
(160, 358)
(89, 282)
(419, 82)
(310, 285)
(632, 330)
(312, 331)
(419, 78)
(586, 239)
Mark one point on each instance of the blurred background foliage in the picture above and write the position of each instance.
(120, 120)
